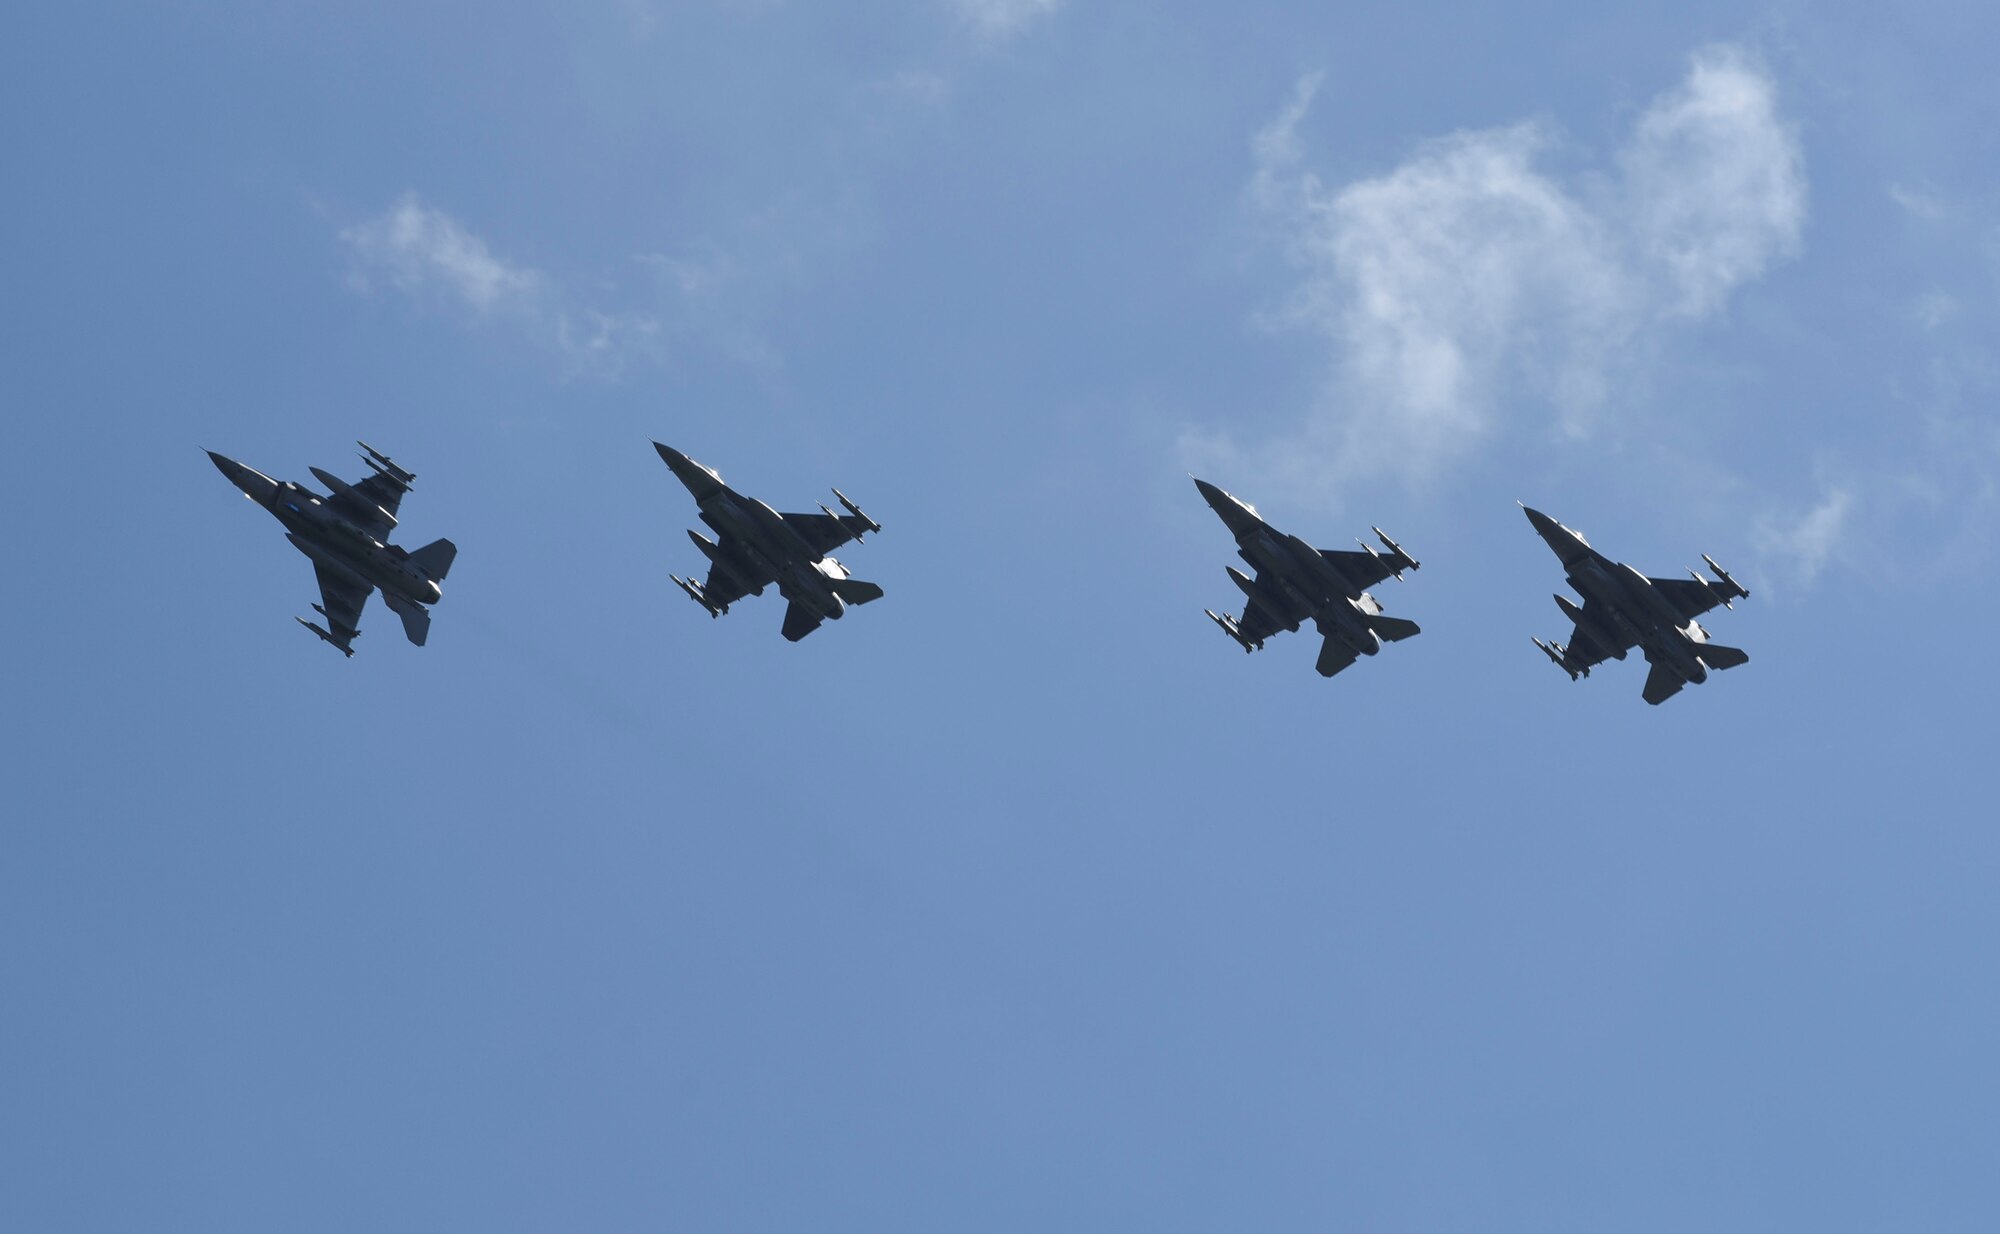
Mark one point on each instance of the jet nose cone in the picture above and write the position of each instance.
(1238, 515)
(700, 481)
(1542, 522)
(255, 484)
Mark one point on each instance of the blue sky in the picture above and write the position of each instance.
(1021, 899)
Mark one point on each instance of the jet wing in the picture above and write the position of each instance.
(1689, 597)
(364, 503)
(1584, 651)
(1362, 569)
(341, 602)
(1258, 623)
(732, 577)
(826, 532)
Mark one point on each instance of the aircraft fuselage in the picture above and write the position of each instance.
(319, 532)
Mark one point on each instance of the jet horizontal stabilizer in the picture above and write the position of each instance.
(1715, 655)
(416, 618)
(1391, 629)
(435, 559)
(854, 590)
(1661, 684)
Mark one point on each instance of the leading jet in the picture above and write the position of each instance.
(759, 546)
(1623, 609)
(346, 535)
(1296, 582)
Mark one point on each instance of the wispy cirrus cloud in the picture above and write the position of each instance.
(1003, 18)
(430, 258)
(424, 253)
(1472, 271)
(1803, 545)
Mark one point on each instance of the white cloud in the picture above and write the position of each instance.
(1919, 201)
(428, 256)
(1934, 308)
(1805, 544)
(1003, 18)
(919, 86)
(1714, 181)
(423, 252)
(1472, 271)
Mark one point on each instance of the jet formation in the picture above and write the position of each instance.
(1296, 582)
(1623, 609)
(1292, 583)
(346, 536)
(759, 546)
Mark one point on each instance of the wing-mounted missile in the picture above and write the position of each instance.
(1728, 588)
(836, 518)
(344, 648)
(1403, 561)
(856, 511)
(341, 488)
(699, 596)
(1233, 630)
(1560, 655)
(384, 466)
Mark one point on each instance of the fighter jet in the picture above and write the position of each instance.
(759, 547)
(1296, 582)
(345, 534)
(1623, 609)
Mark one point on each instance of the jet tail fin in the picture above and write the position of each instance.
(854, 590)
(1392, 629)
(435, 559)
(416, 618)
(1715, 655)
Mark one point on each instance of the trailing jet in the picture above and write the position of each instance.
(346, 536)
(1296, 582)
(1623, 609)
(759, 547)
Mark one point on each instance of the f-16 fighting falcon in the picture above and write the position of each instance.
(345, 534)
(1296, 582)
(1622, 609)
(760, 546)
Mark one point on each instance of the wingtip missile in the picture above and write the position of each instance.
(384, 465)
(856, 511)
(1556, 653)
(836, 518)
(696, 594)
(1230, 628)
(344, 648)
(1737, 590)
(1409, 562)
(1714, 589)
